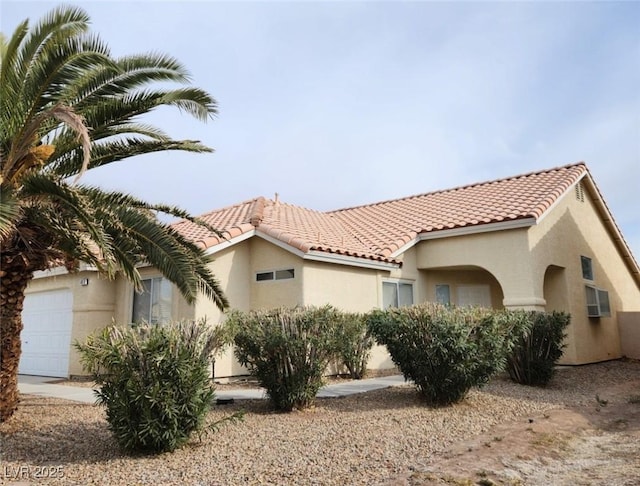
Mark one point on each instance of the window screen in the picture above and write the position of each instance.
(603, 303)
(153, 304)
(389, 295)
(284, 274)
(396, 294)
(443, 294)
(405, 294)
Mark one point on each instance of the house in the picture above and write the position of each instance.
(541, 241)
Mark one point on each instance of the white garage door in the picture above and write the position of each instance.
(46, 337)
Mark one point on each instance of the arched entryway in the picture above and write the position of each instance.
(462, 285)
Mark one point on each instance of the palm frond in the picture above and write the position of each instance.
(194, 101)
(72, 204)
(9, 82)
(67, 165)
(67, 106)
(10, 212)
(132, 72)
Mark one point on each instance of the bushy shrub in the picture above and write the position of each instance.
(354, 344)
(444, 350)
(537, 345)
(154, 381)
(287, 350)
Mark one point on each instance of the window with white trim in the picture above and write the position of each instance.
(397, 294)
(275, 275)
(153, 304)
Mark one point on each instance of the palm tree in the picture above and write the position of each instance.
(67, 106)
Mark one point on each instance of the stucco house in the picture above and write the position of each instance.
(543, 241)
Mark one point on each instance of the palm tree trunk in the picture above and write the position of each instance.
(14, 277)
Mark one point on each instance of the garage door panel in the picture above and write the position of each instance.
(46, 337)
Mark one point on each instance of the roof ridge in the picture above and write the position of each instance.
(457, 188)
(561, 187)
(257, 211)
(218, 210)
(297, 206)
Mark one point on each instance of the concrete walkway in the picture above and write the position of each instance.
(43, 386)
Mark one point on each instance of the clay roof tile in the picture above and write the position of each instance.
(376, 231)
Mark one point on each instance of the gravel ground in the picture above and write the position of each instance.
(371, 438)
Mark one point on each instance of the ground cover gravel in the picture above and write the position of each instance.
(370, 438)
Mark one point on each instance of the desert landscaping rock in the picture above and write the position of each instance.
(381, 437)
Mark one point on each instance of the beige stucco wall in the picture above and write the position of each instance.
(349, 289)
(93, 306)
(232, 267)
(504, 254)
(573, 229)
(265, 256)
(539, 268)
(629, 326)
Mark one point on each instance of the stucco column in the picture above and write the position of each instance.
(526, 303)
(522, 289)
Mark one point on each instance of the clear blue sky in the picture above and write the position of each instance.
(334, 104)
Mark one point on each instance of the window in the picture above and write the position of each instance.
(153, 304)
(263, 276)
(443, 294)
(597, 302)
(397, 294)
(275, 275)
(474, 296)
(587, 268)
(284, 274)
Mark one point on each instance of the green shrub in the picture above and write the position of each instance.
(287, 350)
(537, 345)
(444, 350)
(154, 381)
(354, 344)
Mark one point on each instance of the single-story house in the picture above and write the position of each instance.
(543, 241)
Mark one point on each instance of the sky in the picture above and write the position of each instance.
(337, 104)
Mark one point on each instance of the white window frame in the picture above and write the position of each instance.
(133, 300)
(596, 306)
(274, 275)
(397, 283)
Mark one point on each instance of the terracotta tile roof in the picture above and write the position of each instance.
(386, 226)
(308, 230)
(231, 221)
(377, 230)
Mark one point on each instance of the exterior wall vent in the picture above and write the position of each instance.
(579, 192)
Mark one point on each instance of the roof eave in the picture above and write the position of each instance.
(326, 257)
(466, 230)
(229, 242)
(612, 227)
(62, 270)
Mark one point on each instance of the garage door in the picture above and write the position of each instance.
(46, 337)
